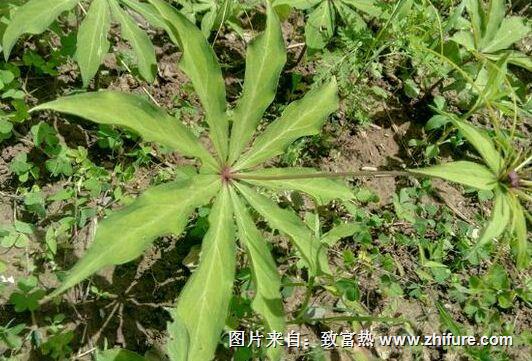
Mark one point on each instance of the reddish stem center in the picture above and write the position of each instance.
(226, 174)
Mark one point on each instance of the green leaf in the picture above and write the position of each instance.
(340, 231)
(27, 301)
(437, 122)
(118, 354)
(267, 301)
(178, 340)
(125, 234)
(33, 17)
(463, 172)
(200, 64)
(301, 118)
(478, 21)
(323, 190)
(482, 143)
(320, 26)
(520, 242)
(367, 6)
(147, 11)
(139, 41)
(513, 57)
(265, 59)
(310, 248)
(512, 30)
(496, 12)
(203, 304)
(298, 4)
(136, 113)
(92, 43)
(464, 38)
(448, 321)
(500, 217)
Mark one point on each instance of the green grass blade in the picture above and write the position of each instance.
(312, 252)
(462, 172)
(92, 43)
(301, 118)
(267, 301)
(136, 113)
(482, 143)
(323, 190)
(125, 234)
(139, 41)
(204, 302)
(200, 64)
(33, 17)
(265, 59)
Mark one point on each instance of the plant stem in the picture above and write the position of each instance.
(308, 296)
(376, 174)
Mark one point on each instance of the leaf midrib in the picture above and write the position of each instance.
(210, 270)
(97, 31)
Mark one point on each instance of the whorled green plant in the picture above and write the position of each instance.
(505, 173)
(226, 179)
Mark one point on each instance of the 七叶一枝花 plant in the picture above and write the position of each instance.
(225, 178)
(505, 174)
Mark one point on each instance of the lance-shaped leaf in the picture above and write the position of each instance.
(147, 11)
(520, 243)
(136, 113)
(139, 41)
(265, 59)
(513, 57)
(301, 118)
(500, 217)
(323, 190)
(320, 26)
(125, 234)
(482, 143)
(312, 252)
(178, 340)
(512, 30)
(478, 18)
(200, 64)
(267, 301)
(92, 39)
(34, 17)
(204, 302)
(463, 172)
(496, 12)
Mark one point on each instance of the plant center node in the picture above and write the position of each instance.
(226, 174)
(513, 179)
